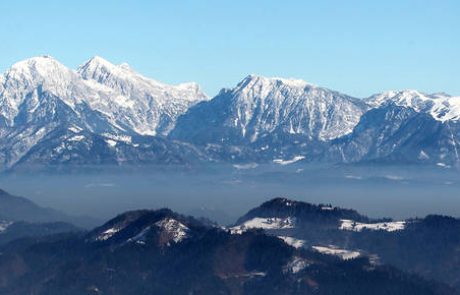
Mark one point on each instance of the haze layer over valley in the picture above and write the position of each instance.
(223, 193)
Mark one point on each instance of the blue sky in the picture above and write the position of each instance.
(357, 47)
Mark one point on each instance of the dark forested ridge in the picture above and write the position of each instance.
(425, 246)
(162, 252)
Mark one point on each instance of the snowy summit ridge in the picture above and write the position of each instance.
(39, 96)
(103, 113)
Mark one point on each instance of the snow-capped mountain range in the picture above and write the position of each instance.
(259, 107)
(126, 99)
(45, 104)
(144, 106)
(440, 106)
(103, 113)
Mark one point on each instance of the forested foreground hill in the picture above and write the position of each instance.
(162, 252)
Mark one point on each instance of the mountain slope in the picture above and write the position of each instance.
(427, 246)
(440, 106)
(15, 208)
(269, 112)
(40, 97)
(395, 134)
(20, 218)
(14, 230)
(106, 114)
(147, 106)
(78, 149)
(19, 209)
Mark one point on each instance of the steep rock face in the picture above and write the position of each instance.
(40, 97)
(110, 114)
(21, 86)
(147, 106)
(440, 106)
(396, 134)
(262, 110)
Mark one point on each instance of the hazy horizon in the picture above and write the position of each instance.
(224, 194)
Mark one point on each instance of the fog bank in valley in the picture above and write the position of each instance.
(224, 193)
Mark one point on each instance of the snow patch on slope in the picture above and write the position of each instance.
(245, 166)
(332, 250)
(296, 243)
(391, 226)
(296, 265)
(176, 230)
(288, 162)
(265, 223)
(107, 234)
(4, 225)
